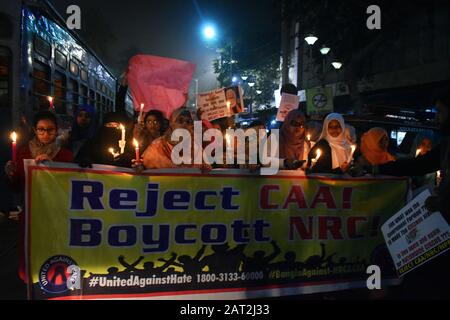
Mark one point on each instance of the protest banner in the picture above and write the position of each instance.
(288, 102)
(414, 235)
(175, 233)
(159, 83)
(220, 103)
(319, 101)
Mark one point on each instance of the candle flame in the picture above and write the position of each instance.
(418, 151)
(308, 137)
(14, 136)
(142, 106)
(111, 150)
(121, 127)
(136, 143)
(50, 99)
(318, 154)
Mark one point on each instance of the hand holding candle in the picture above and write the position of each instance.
(14, 146)
(136, 145)
(350, 158)
(111, 150)
(318, 154)
(122, 141)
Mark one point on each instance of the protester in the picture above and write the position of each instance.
(41, 148)
(334, 147)
(150, 129)
(159, 154)
(431, 280)
(423, 143)
(293, 143)
(98, 150)
(374, 147)
(83, 128)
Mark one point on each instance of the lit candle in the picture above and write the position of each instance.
(14, 139)
(136, 145)
(318, 154)
(122, 142)
(141, 113)
(308, 145)
(50, 100)
(229, 107)
(438, 178)
(351, 154)
(418, 151)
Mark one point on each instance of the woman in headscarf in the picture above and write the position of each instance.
(374, 147)
(293, 143)
(159, 154)
(335, 149)
(83, 128)
(152, 128)
(98, 150)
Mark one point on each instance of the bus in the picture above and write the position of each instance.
(42, 60)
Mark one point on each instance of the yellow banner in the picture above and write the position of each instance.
(119, 234)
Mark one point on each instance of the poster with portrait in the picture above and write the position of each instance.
(220, 103)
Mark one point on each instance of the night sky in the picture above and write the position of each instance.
(172, 28)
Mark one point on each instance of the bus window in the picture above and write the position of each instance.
(60, 59)
(74, 88)
(42, 47)
(92, 97)
(84, 94)
(84, 75)
(60, 93)
(41, 85)
(4, 78)
(73, 68)
(98, 102)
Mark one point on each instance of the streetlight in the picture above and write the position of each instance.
(324, 50)
(311, 39)
(209, 32)
(336, 64)
(244, 78)
(251, 84)
(234, 79)
(258, 91)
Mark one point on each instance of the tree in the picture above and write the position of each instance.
(250, 54)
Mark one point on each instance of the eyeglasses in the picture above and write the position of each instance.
(297, 124)
(50, 131)
(154, 122)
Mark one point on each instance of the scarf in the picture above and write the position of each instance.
(290, 148)
(370, 147)
(37, 148)
(340, 146)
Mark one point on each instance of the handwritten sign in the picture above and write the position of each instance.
(414, 235)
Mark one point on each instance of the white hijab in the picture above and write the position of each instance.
(340, 146)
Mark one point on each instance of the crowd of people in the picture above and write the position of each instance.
(328, 148)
